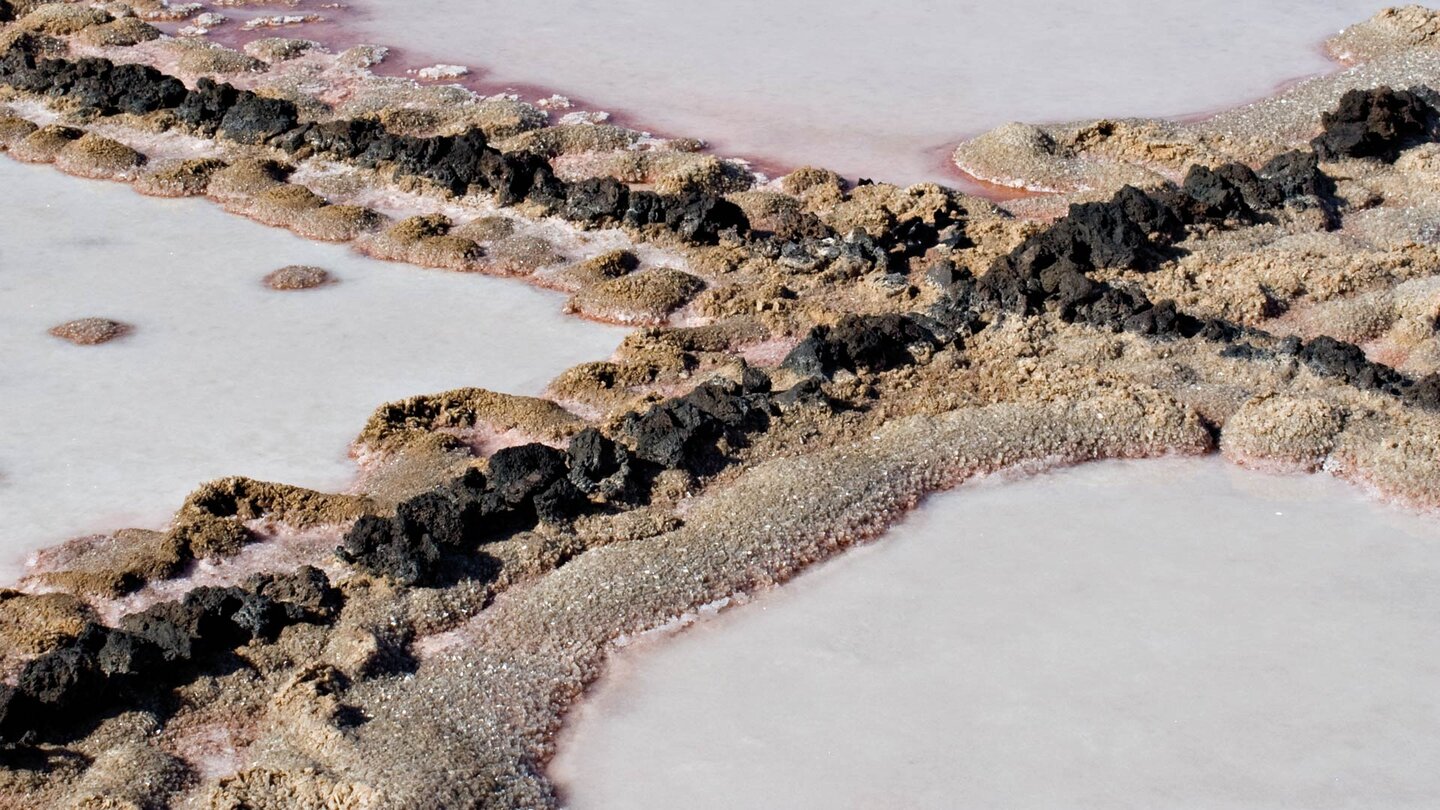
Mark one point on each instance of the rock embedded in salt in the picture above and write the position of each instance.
(91, 331)
(297, 277)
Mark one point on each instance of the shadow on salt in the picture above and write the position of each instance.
(1169, 633)
(221, 375)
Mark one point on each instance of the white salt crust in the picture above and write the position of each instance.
(1165, 633)
(221, 375)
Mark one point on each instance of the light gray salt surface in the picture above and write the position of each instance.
(866, 87)
(1171, 633)
(222, 376)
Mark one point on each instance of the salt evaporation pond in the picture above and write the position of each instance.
(222, 376)
(880, 89)
(1171, 633)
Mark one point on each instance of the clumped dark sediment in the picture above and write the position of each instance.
(818, 357)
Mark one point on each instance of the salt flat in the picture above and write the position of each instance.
(880, 89)
(1172, 633)
(221, 376)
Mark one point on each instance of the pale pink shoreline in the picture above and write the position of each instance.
(335, 32)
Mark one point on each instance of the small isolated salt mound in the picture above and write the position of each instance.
(202, 24)
(279, 49)
(162, 11)
(98, 158)
(91, 331)
(42, 145)
(648, 296)
(185, 178)
(438, 72)
(297, 277)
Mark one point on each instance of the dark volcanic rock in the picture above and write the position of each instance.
(517, 474)
(1216, 198)
(257, 119)
(1347, 362)
(871, 343)
(1297, 174)
(378, 546)
(695, 216)
(206, 104)
(1377, 123)
(596, 200)
(599, 465)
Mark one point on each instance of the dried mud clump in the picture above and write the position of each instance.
(428, 241)
(120, 33)
(184, 178)
(98, 158)
(204, 59)
(45, 143)
(448, 416)
(645, 297)
(91, 331)
(1282, 433)
(297, 277)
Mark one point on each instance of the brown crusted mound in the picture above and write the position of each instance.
(522, 255)
(91, 331)
(14, 129)
(98, 158)
(644, 297)
(184, 178)
(397, 424)
(297, 277)
(120, 33)
(426, 241)
(43, 144)
(205, 59)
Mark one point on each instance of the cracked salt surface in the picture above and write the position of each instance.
(1169, 633)
(873, 88)
(221, 375)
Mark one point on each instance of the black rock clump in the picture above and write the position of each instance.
(1217, 195)
(205, 105)
(600, 465)
(694, 216)
(1378, 123)
(596, 201)
(1347, 362)
(105, 668)
(255, 119)
(685, 432)
(871, 343)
